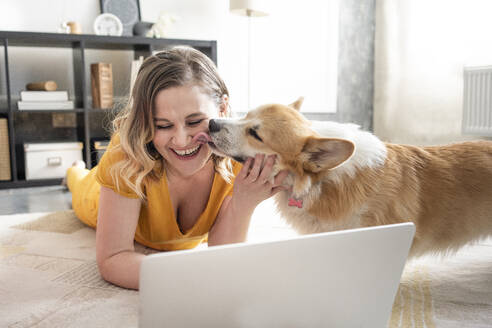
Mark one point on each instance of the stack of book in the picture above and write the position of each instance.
(44, 100)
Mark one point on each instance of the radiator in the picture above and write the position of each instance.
(477, 101)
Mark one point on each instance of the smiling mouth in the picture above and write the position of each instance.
(188, 153)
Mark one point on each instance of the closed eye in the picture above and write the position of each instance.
(191, 123)
(253, 133)
(195, 122)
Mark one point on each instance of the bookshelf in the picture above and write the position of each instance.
(88, 119)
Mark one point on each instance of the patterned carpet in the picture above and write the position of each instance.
(49, 278)
(455, 291)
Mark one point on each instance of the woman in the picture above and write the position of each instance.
(156, 183)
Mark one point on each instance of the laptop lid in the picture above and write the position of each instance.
(344, 278)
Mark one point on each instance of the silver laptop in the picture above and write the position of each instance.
(337, 279)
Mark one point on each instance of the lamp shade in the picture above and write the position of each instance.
(250, 8)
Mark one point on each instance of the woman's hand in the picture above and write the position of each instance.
(253, 185)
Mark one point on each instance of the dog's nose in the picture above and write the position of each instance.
(213, 126)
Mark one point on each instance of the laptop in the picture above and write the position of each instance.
(337, 279)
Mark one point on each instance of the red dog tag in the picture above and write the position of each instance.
(295, 202)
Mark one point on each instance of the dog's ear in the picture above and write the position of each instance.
(297, 104)
(325, 153)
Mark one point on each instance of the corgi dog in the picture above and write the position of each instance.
(341, 177)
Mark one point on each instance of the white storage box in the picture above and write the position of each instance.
(50, 160)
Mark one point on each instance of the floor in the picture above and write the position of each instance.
(31, 200)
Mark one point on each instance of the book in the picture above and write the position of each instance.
(101, 145)
(44, 95)
(102, 85)
(5, 173)
(42, 105)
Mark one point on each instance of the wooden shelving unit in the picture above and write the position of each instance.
(79, 44)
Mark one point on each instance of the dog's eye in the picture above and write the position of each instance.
(254, 134)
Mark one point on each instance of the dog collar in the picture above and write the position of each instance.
(295, 202)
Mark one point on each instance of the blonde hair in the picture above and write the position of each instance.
(175, 67)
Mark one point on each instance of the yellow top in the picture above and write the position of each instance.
(157, 227)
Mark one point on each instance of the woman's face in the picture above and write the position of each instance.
(179, 114)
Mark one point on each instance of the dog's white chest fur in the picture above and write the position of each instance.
(370, 152)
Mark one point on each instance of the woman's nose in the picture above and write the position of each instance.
(182, 138)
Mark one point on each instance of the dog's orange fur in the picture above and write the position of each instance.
(446, 190)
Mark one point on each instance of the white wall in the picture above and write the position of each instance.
(295, 48)
(209, 20)
(421, 49)
(47, 15)
(295, 53)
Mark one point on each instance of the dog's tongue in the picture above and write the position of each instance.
(202, 138)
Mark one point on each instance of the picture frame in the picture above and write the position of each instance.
(128, 11)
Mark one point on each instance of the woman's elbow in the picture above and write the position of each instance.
(103, 267)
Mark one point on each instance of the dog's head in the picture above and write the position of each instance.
(283, 131)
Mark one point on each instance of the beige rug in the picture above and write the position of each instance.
(49, 278)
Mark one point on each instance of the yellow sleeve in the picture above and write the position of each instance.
(103, 175)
